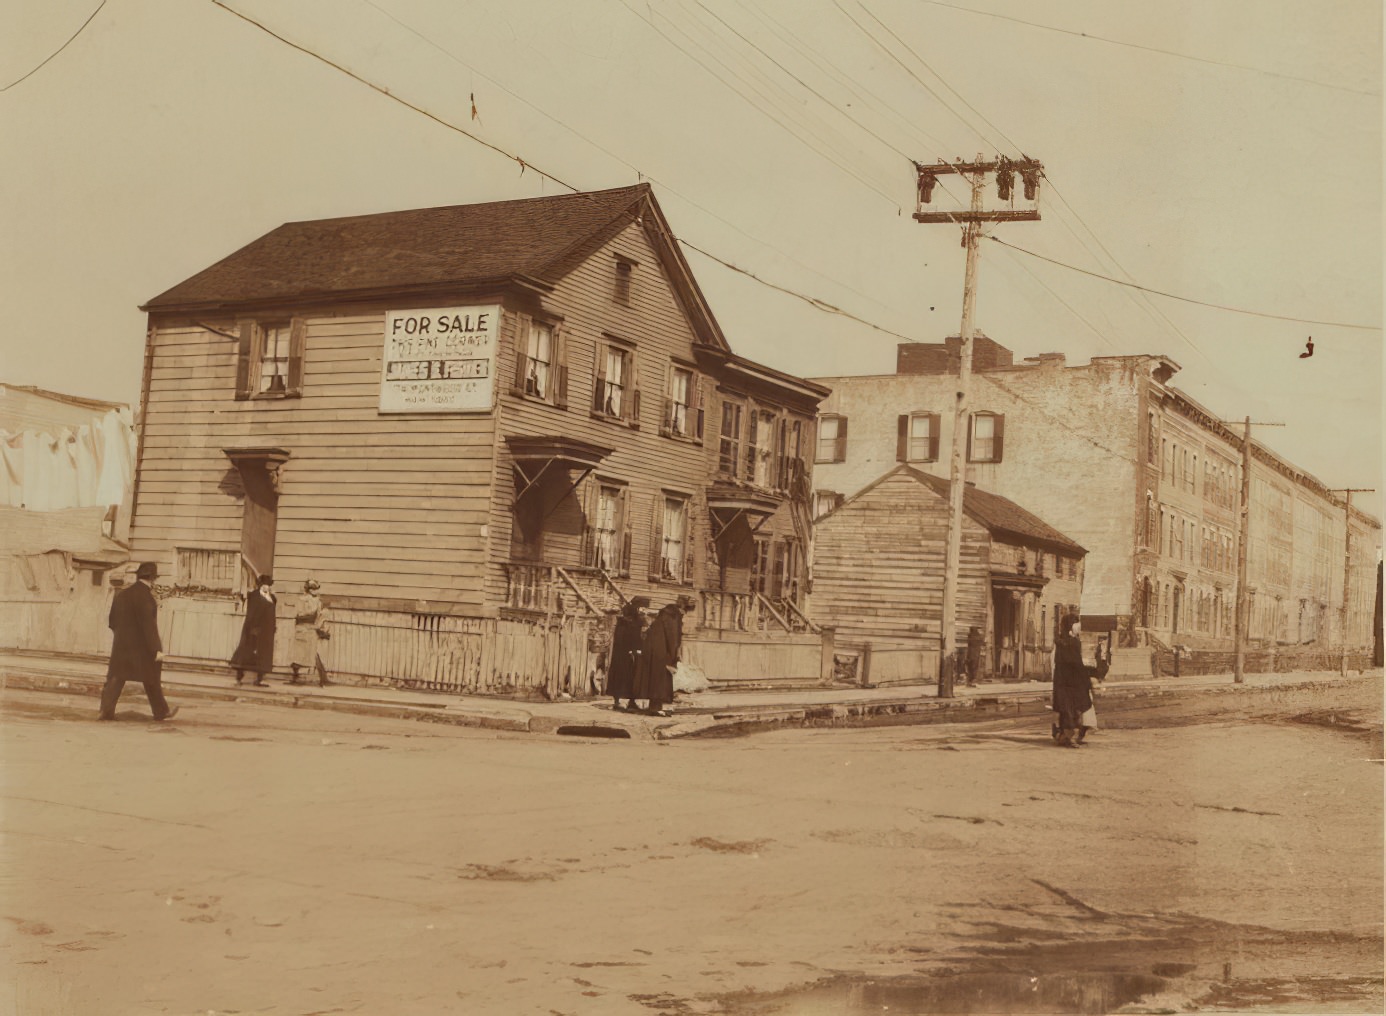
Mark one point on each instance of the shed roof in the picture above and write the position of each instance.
(999, 515)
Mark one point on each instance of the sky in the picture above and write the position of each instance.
(1189, 147)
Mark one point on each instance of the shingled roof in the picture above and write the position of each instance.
(1001, 516)
(537, 239)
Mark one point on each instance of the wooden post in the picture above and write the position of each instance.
(1243, 530)
(957, 469)
(827, 671)
(1347, 575)
(1005, 171)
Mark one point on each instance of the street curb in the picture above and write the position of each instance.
(913, 712)
(706, 723)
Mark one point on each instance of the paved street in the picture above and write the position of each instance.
(244, 859)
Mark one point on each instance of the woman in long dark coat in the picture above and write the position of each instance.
(255, 651)
(1072, 695)
(626, 643)
(654, 677)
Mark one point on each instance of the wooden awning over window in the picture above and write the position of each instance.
(536, 458)
(728, 502)
(1019, 583)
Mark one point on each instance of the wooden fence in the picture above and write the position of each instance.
(730, 659)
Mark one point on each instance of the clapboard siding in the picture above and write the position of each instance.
(645, 461)
(383, 507)
(879, 565)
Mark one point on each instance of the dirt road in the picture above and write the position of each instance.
(247, 860)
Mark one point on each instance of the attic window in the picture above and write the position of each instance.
(625, 269)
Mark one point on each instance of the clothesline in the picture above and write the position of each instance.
(76, 467)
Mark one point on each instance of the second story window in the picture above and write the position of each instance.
(729, 441)
(917, 438)
(984, 437)
(683, 414)
(539, 360)
(615, 394)
(760, 448)
(832, 439)
(269, 362)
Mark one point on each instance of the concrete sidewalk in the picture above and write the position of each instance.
(721, 712)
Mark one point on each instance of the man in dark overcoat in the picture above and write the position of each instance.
(137, 652)
(626, 644)
(256, 649)
(654, 676)
(974, 655)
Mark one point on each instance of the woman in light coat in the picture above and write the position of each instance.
(310, 627)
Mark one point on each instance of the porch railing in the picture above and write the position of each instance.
(529, 586)
(749, 612)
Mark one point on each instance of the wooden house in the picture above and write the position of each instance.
(480, 427)
(878, 578)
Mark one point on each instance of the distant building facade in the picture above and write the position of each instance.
(1134, 470)
(66, 464)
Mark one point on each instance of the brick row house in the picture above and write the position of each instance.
(482, 428)
(1127, 465)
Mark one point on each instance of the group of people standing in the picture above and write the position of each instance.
(642, 660)
(255, 651)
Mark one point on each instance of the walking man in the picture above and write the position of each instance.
(136, 651)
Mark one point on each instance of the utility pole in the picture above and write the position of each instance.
(1347, 567)
(1242, 621)
(1005, 171)
(1243, 529)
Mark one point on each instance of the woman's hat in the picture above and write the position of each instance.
(640, 602)
(147, 570)
(312, 585)
(265, 580)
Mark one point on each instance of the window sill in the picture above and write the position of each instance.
(524, 396)
(269, 396)
(618, 420)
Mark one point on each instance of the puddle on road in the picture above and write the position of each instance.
(962, 993)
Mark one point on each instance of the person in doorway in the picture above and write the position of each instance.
(137, 652)
(310, 629)
(626, 644)
(654, 675)
(974, 655)
(1072, 692)
(255, 651)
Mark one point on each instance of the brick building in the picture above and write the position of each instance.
(1145, 478)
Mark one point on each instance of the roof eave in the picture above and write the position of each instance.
(493, 284)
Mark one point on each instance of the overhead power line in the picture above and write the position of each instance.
(390, 95)
(1154, 49)
(64, 46)
(1189, 299)
(822, 305)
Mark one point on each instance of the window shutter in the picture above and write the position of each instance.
(632, 406)
(244, 354)
(933, 437)
(752, 437)
(523, 323)
(967, 422)
(902, 438)
(623, 532)
(297, 340)
(599, 385)
(687, 558)
(998, 430)
(560, 368)
(840, 452)
(781, 463)
(698, 408)
(656, 537)
(589, 518)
